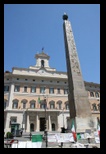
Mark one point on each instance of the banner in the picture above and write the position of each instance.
(52, 138)
(64, 137)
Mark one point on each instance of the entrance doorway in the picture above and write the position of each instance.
(32, 127)
(53, 127)
(42, 124)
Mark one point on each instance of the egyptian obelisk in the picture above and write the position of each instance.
(78, 99)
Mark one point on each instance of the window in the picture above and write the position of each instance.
(51, 91)
(24, 105)
(24, 101)
(65, 91)
(6, 88)
(59, 106)
(5, 105)
(32, 105)
(91, 94)
(42, 106)
(98, 106)
(94, 107)
(17, 78)
(25, 89)
(13, 119)
(33, 89)
(42, 63)
(58, 91)
(42, 80)
(67, 107)
(15, 105)
(57, 81)
(51, 106)
(42, 90)
(97, 94)
(33, 79)
(17, 88)
(26, 79)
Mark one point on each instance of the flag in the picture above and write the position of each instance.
(39, 100)
(78, 136)
(37, 140)
(98, 129)
(73, 130)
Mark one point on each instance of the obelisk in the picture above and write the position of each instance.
(78, 99)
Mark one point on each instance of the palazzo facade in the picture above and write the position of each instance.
(38, 92)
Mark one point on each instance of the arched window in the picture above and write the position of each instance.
(96, 94)
(42, 104)
(91, 94)
(59, 105)
(42, 63)
(52, 105)
(15, 104)
(67, 105)
(24, 101)
(32, 104)
(94, 106)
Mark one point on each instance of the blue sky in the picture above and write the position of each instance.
(29, 27)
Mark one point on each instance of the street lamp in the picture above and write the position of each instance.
(63, 118)
(45, 132)
(23, 119)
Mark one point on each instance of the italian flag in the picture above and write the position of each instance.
(39, 100)
(73, 130)
(37, 140)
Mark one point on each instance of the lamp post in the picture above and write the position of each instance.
(46, 140)
(23, 119)
(63, 118)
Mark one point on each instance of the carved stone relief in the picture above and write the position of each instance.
(72, 47)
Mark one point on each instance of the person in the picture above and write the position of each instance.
(21, 131)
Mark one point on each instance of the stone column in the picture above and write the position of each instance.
(28, 124)
(10, 97)
(58, 127)
(49, 123)
(37, 123)
(7, 125)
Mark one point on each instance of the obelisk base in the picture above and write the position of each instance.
(82, 124)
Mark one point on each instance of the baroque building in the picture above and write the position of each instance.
(31, 94)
